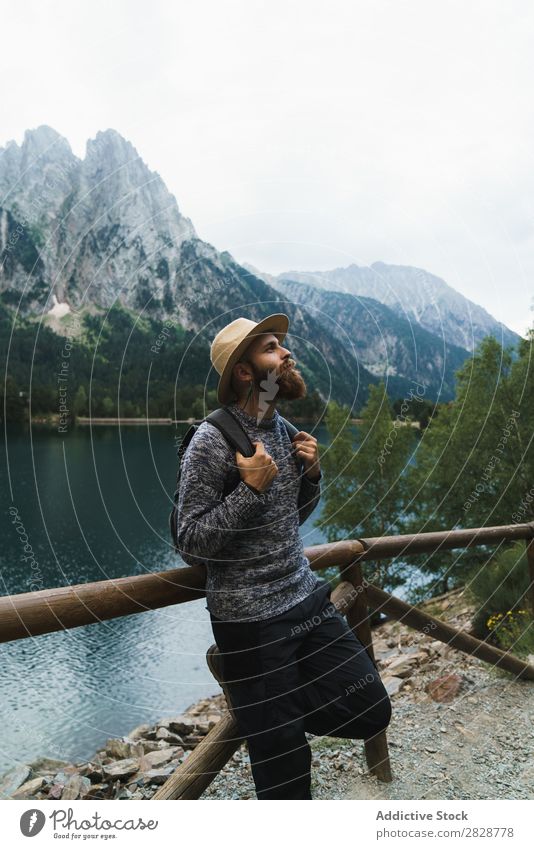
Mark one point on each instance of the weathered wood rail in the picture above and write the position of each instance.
(45, 611)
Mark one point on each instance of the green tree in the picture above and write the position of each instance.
(471, 464)
(80, 401)
(108, 406)
(520, 392)
(366, 484)
(13, 406)
(465, 456)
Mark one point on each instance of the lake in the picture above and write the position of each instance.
(94, 503)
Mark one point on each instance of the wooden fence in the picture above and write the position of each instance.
(34, 613)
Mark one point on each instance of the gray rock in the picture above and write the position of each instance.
(77, 787)
(121, 769)
(97, 791)
(401, 667)
(158, 776)
(12, 780)
(124, 794)
(47, 766)
(392, 684)
(92, 771)
(29, 788)
(153, 745)
(180, 724)
(169, 736)
(158, 758)
(140, 732)
(118, 749)
(55, 791)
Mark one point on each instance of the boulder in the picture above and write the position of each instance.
(192, 740)
(445, 688)
(156, 759)
(97, 791)
(157, 776)
(47, 766)
(77, 787)
(118, 749)
(392, 684)
(29, 788)
(181, 724)
(55, 791)
(92, 771)
(12, 780)
(401, 666)
(163, 733)
(154, 745)
(121, 769)
(141, 732)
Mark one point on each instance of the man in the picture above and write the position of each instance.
(287, 661)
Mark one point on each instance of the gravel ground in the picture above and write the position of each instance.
(478, 746)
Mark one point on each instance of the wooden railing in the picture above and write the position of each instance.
(34, 613)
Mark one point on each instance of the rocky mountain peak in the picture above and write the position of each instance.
(111, 150)
(107, 219)
(44, 141)
(36, 175)
(414, 294)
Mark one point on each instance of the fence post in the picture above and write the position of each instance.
(530, 563)
(202, 766)
(376, 748)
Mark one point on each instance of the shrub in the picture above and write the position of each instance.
(500, 591)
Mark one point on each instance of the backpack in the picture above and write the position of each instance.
(234, 434)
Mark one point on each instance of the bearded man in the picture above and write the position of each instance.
(286, 659)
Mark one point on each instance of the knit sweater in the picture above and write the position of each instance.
(249, 542)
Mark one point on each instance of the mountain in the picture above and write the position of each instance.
(85, 234)
(389, 346)
(413, 294)
(90, 230)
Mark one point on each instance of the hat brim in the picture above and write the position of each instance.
(277, 323)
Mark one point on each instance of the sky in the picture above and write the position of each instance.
(308, 135)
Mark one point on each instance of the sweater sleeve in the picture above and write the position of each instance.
(309, 495)
(205, 520)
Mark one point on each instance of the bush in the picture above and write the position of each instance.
(499, 589)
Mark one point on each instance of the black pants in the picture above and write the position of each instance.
(301, 671)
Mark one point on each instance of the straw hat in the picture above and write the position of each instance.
(231, 342)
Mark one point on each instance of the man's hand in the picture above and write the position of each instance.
(259, 470)
(307, 450)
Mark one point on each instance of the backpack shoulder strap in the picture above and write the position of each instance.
(186, 439)
(291, 431)
(231, 429)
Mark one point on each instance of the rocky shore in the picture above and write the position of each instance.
(459, 729)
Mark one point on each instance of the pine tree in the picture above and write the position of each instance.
(80, 401)
(366, 485)
(474, 461)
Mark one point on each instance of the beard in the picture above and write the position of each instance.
(289, 382)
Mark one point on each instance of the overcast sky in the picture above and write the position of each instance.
(308, 135)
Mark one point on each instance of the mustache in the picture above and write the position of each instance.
(291, 364)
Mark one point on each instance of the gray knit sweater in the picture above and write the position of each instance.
(249, 542)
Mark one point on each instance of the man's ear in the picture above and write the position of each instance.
(242, 371)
